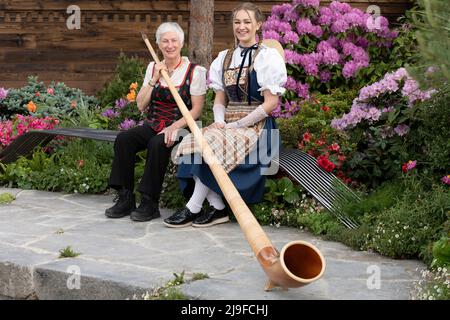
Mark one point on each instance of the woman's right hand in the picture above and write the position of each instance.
(157, 74)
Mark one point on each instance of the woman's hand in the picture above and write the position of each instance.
(158, 68)
(216, 125)
(170, 135)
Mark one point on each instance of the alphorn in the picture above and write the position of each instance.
(299, 262)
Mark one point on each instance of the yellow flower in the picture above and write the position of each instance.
(31, 106)
(133, 86)
(131, 97)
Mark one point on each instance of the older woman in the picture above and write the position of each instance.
(247, 80)
(158, 134)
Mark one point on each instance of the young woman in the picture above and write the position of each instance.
(159, 131)
(247, 80)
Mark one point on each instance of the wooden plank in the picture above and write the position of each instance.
(166, 5)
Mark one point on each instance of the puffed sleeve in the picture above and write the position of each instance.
(198, 85)
(271, 71)
(148, 73)
(215, 72)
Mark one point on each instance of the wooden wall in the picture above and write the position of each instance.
(34, 38)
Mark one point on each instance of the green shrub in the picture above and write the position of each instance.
(128, 70)
(405, 229)
(371, 205)
(81, 166)
(441, 252)
(6, 197)
(55, 100)
(313, 119)
(430, 21)
(171, 196)
(430, 142)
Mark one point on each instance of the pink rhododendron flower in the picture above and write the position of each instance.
(446, 179)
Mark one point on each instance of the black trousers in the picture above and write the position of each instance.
(127, 144)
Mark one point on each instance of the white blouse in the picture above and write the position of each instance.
(197, 87)
(270, 69)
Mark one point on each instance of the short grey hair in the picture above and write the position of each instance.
(169, 27)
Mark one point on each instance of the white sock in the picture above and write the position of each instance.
(215, 200)
(198, 196)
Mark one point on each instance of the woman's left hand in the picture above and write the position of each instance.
(170, 135)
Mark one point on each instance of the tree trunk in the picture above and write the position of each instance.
(201, 31)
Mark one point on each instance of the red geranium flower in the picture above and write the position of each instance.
(320, 142)
(307, 137)
(326, 164)
(325, 108)
(334, 147)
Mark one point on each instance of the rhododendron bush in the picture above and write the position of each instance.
(325, 48)
(379, 123)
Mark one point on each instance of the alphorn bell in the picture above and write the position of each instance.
(299, 262)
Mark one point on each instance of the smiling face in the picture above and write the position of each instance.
(170, 45)
(245, 27)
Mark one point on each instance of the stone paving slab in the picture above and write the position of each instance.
(121, 258)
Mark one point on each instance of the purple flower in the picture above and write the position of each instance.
(110, 113)
(325, 76)
(3, 93)
(276, 113)
(310, 62)
(304, 26)
(127, 124)
(411, 164)
(302, 90)
(291, 16)
(446, 179)
(326, 16)
(401, 129)
(307, 3)
(340, 7)
(323, 46)
(340, 26)
(330, 56)
(121, 103)
(291, 56)
(291, 83)
(271, 34)
(290, 36)
(349, 70)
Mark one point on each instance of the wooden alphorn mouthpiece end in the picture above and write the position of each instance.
(144, 36)
(269, 285)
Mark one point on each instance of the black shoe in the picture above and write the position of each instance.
(124, 205)
(147, 210)
(212, 217)
(181, 218)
